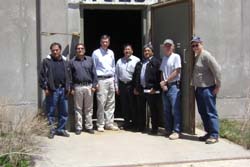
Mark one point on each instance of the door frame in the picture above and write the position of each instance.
(188, 119)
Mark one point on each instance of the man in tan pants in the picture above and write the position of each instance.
(84, 80)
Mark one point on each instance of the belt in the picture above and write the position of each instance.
(104, 77)
(125, 82)
(173, 83)
(83, 84)
(60, 86)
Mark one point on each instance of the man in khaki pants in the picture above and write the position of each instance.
(104, 61)
(84, 84)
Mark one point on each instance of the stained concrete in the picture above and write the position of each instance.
(136, 149)
(224, 26)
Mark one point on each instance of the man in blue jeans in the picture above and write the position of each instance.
(55, 80)
(207, 80)
(171, 68)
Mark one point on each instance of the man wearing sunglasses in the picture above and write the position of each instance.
(207, 80)
(84, 83)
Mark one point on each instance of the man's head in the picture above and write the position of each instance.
(196, 44)
(105, 41)
(168, 47)
(148, 51)
(127, 50)
(80, 49)
(55, 49)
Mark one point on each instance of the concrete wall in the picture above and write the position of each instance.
(224, 26)
(18, 65)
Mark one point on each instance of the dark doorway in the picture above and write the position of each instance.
(123, 26)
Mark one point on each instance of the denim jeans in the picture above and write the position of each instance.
(171, 108)
(206, 103)
(57, 100)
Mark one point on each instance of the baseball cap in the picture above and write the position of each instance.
(196, 39)
(168, 41)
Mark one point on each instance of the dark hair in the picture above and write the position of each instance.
(127, 45)
(105, 37)
(82, 44)
(150, 46)
(55, 44)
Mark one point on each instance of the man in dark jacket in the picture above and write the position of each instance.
(147, 88)
(55, 80)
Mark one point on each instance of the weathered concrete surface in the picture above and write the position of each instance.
(128, 148)
(18, 66)
(224, 26)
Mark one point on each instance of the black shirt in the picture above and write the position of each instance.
(58, 72)
(83, 71)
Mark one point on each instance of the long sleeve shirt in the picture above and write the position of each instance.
(207, 71)
(83, 71)
(104, 61)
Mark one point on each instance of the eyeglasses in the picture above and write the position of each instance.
(195, 46)
(80, 48)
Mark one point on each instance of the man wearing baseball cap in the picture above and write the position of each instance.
(170, 84)
(207, 80)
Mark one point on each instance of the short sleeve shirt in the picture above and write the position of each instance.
(169, 64)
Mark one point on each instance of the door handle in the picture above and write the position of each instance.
(184, 56)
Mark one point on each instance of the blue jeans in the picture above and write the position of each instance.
(206, 103)
(171, 108)
(58, 99)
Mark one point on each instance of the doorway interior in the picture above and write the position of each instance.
(123, 26)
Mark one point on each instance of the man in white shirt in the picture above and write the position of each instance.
(104, 62)
(171, 68)
(125, 68)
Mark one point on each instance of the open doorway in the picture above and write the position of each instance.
(124, 26)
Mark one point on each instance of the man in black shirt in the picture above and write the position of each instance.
(55, 80)
(84, 85)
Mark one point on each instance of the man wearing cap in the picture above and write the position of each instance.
(84, 83)
(147, 88)
(171, 68)
(104, 61)
(207, 80)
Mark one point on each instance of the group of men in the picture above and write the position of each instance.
(137, 82)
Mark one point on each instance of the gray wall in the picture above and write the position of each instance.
(18, 66)
(224, 26)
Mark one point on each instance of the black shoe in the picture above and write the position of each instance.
(91, 131)
(153, 132)
(78, 132)
(63, 133)
(51, 135)
(204, 138)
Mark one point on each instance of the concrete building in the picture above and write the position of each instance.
(29, 27)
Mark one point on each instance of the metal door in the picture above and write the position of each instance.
(174, 20)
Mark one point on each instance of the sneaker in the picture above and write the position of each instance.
(91, 131)
(174, 136)
(100, 129)
(63, 133)
(211, 140)
(112, 127)
(78, 132)
(204, 138)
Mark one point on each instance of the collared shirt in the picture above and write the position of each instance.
(169, 64)
(83, 71)
(143, 71)
(58, 72)
(104, 61)
(207, 71)
(125, 68)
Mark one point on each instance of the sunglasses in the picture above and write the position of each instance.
(195, 46)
